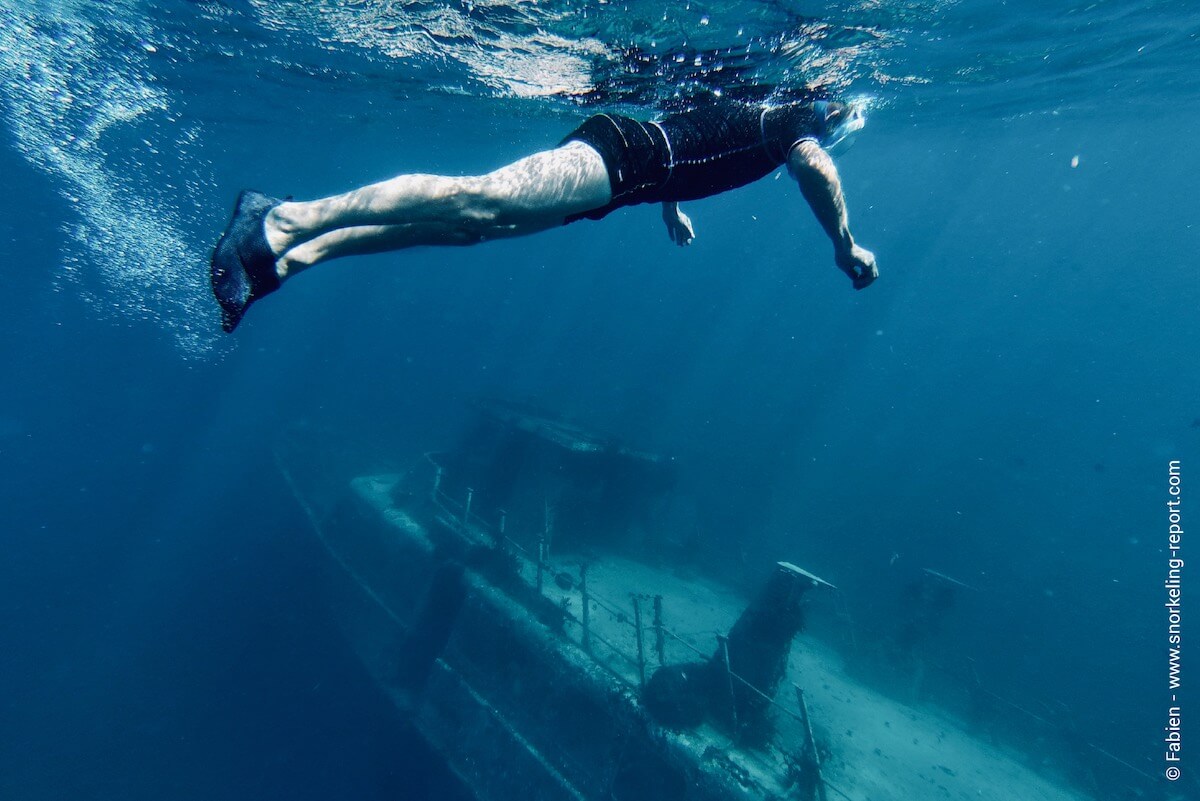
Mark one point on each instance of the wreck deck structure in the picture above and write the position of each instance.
(497, 596)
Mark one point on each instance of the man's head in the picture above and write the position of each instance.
(840, 122)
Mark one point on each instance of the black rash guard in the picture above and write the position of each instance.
(695, 154)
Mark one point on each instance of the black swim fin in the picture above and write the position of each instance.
(243, 266)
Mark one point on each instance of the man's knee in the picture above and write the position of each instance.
(480, 203)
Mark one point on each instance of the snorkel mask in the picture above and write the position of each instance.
(840, 124)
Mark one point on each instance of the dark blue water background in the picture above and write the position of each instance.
(1000, 406)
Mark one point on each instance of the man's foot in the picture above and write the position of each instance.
(243, 264)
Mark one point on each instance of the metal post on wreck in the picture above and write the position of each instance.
(500, 535)
(659, 640)
(466, 520)
(811, 757)
(586, 638)
(733, 716)
(641, 654)
(437, 479)
(541, 559)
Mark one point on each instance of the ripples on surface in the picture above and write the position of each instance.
(95, 94)
(596, 52)
(994, 57)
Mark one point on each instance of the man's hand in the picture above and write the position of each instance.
(679, 227)
(859, 264)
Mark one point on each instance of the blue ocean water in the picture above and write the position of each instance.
(1001, 405)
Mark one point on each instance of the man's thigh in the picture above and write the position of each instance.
(550, 185)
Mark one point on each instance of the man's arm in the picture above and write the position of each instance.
(679, 227)
(814, 170)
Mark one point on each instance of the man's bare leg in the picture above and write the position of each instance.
(268, 240)
(530, 195)
(361, 240)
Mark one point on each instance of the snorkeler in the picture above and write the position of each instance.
(608, 162)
